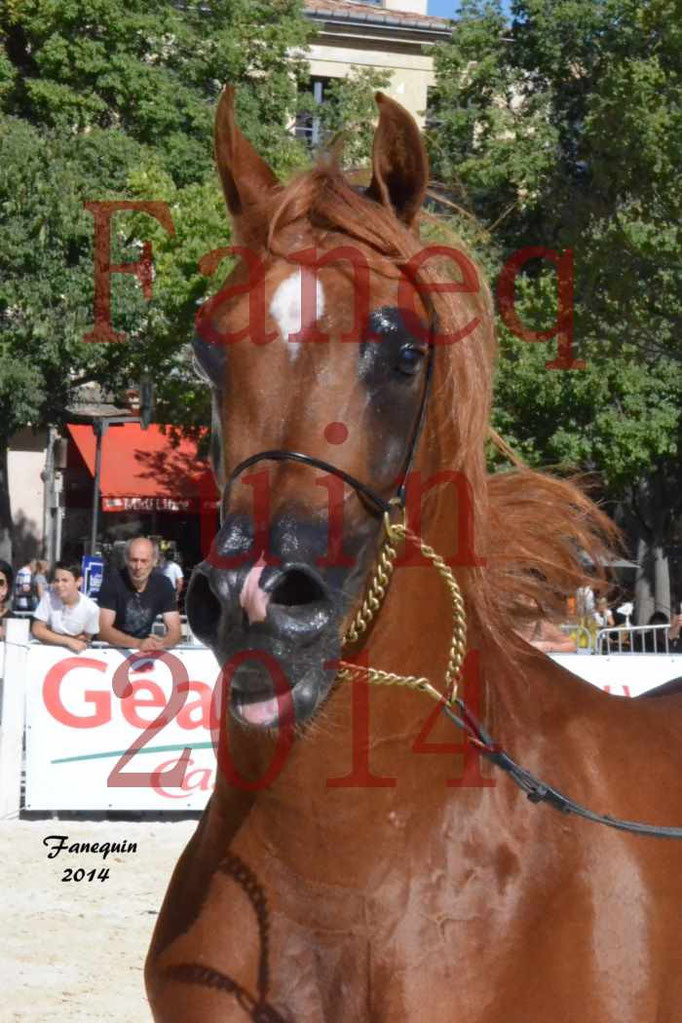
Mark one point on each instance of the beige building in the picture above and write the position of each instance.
(393, 36)
(25, 467)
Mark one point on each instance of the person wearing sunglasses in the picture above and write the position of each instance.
(6, 580)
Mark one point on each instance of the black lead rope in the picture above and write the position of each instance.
(538, 791)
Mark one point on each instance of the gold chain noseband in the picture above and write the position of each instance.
(397, 533)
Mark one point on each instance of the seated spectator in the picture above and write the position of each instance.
(655, 640)
(64, 615)
(6, 579)
(602, 615)
(131, 598)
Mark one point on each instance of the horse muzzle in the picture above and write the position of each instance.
(272, 619)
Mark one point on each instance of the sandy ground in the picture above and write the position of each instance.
(74, 951)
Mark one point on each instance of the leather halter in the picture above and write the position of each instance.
(379, 503)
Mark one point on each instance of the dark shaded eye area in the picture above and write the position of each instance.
(410, 359)
(388, 324)
(390, 348)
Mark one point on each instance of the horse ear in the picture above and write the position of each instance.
(400, 166)
(245, 176)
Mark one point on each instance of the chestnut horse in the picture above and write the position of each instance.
(358, 861)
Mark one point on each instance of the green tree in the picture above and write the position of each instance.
(563, 129)
(349, 112)
(153, 69)
(106, 99)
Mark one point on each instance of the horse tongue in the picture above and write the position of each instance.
(252, 598)
(264, 713)
(272, 710)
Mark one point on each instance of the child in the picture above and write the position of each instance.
(65, 616)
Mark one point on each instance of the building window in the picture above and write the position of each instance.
(308, 124)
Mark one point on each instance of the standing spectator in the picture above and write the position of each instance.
(132, 597)
(172, 571)
(675, 634)
(585, 603)
(25, 598)
(623, 614)
(6, 579)
(40, 578)
(65, 616)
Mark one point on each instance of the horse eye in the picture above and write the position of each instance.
(409, 360)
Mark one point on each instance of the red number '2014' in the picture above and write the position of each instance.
(285, 728)
(174, 776)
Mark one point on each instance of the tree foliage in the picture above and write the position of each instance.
(106, 99)
(562, 128)
(103, 99)
(153, 70)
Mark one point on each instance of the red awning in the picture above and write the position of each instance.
(143, 471)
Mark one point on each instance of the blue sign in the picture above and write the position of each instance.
(93, 572)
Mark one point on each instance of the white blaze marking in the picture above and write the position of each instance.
(285, 309)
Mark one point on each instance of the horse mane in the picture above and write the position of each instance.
(541, 537)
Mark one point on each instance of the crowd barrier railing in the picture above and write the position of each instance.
(634, 639)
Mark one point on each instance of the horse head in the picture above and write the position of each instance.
(319, 344)
(345, 357)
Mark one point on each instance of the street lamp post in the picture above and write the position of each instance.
(100, 428)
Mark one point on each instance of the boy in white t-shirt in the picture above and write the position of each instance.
(65, 616)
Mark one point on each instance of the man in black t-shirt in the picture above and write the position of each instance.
(130, 600)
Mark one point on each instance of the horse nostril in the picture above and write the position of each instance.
(202, 608)
(296, 587)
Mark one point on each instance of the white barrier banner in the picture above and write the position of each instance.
(623, 674)
(106, 728)
(110, 730)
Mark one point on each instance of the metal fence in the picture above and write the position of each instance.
(631, 639)
(158, 628)
(634, 639)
